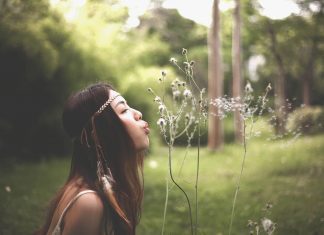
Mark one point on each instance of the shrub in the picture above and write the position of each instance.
(307, 120)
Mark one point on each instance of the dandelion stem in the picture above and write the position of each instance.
(239, 179)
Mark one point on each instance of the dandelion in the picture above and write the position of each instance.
(268, 225)
(163, 73)
(184, 51)
(161, 122)
(192, 63)
(150, 90)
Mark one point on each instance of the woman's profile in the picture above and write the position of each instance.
(104, 190)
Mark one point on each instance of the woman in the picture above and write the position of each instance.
(104, 190)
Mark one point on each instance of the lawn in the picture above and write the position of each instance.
(288, 174)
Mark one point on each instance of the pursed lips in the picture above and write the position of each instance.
(146, 128)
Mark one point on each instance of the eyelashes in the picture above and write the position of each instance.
(125, 110)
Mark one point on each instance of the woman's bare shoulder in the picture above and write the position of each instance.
(89, 202)
(85, 216)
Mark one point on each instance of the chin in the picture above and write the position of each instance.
(143, 146)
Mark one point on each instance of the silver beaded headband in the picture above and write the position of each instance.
(106, 104)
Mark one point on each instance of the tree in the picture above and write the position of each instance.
(236, 68)
(215, 79)
(279, 83)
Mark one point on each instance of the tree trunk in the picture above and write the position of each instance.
(279, 85)
(215, 80)
(307, 77)
(236, 68)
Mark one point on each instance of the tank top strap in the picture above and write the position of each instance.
(57, 229)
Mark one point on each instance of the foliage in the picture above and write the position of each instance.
(295, 172)
(307, 120)
(43, 58)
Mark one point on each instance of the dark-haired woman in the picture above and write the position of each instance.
(104, 190)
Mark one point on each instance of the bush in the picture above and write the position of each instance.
(307, 120)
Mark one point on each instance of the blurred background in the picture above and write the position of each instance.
(51, 48)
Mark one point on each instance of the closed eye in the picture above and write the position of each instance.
(125, 110)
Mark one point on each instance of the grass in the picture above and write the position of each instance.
(288, 174)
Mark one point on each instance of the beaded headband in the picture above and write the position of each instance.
(102, 108)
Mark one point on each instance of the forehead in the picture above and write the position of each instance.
(117, 100)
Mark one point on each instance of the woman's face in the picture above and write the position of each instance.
(137, 129)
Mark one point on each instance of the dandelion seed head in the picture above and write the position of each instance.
(248, 88)
(176, 93)
(184, 51)
(161, 108)
(173, 60)
(268, 225)
(161, 122)
(250, 223)
(163, 73)
(187, 93)
(157, 99)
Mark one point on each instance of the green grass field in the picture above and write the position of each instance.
(289, 174)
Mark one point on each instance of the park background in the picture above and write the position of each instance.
(49, 49)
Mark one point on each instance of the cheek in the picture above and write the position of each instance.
(130, 126)
(138, 135)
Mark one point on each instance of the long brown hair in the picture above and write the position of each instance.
(124, 162)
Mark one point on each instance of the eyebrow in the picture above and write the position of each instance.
(120, 102)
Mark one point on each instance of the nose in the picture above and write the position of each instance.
(137, 114)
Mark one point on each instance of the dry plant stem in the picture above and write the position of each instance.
(165, 205)
(188, 201)
(239, 179)
(197, 176)
(183, 160)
